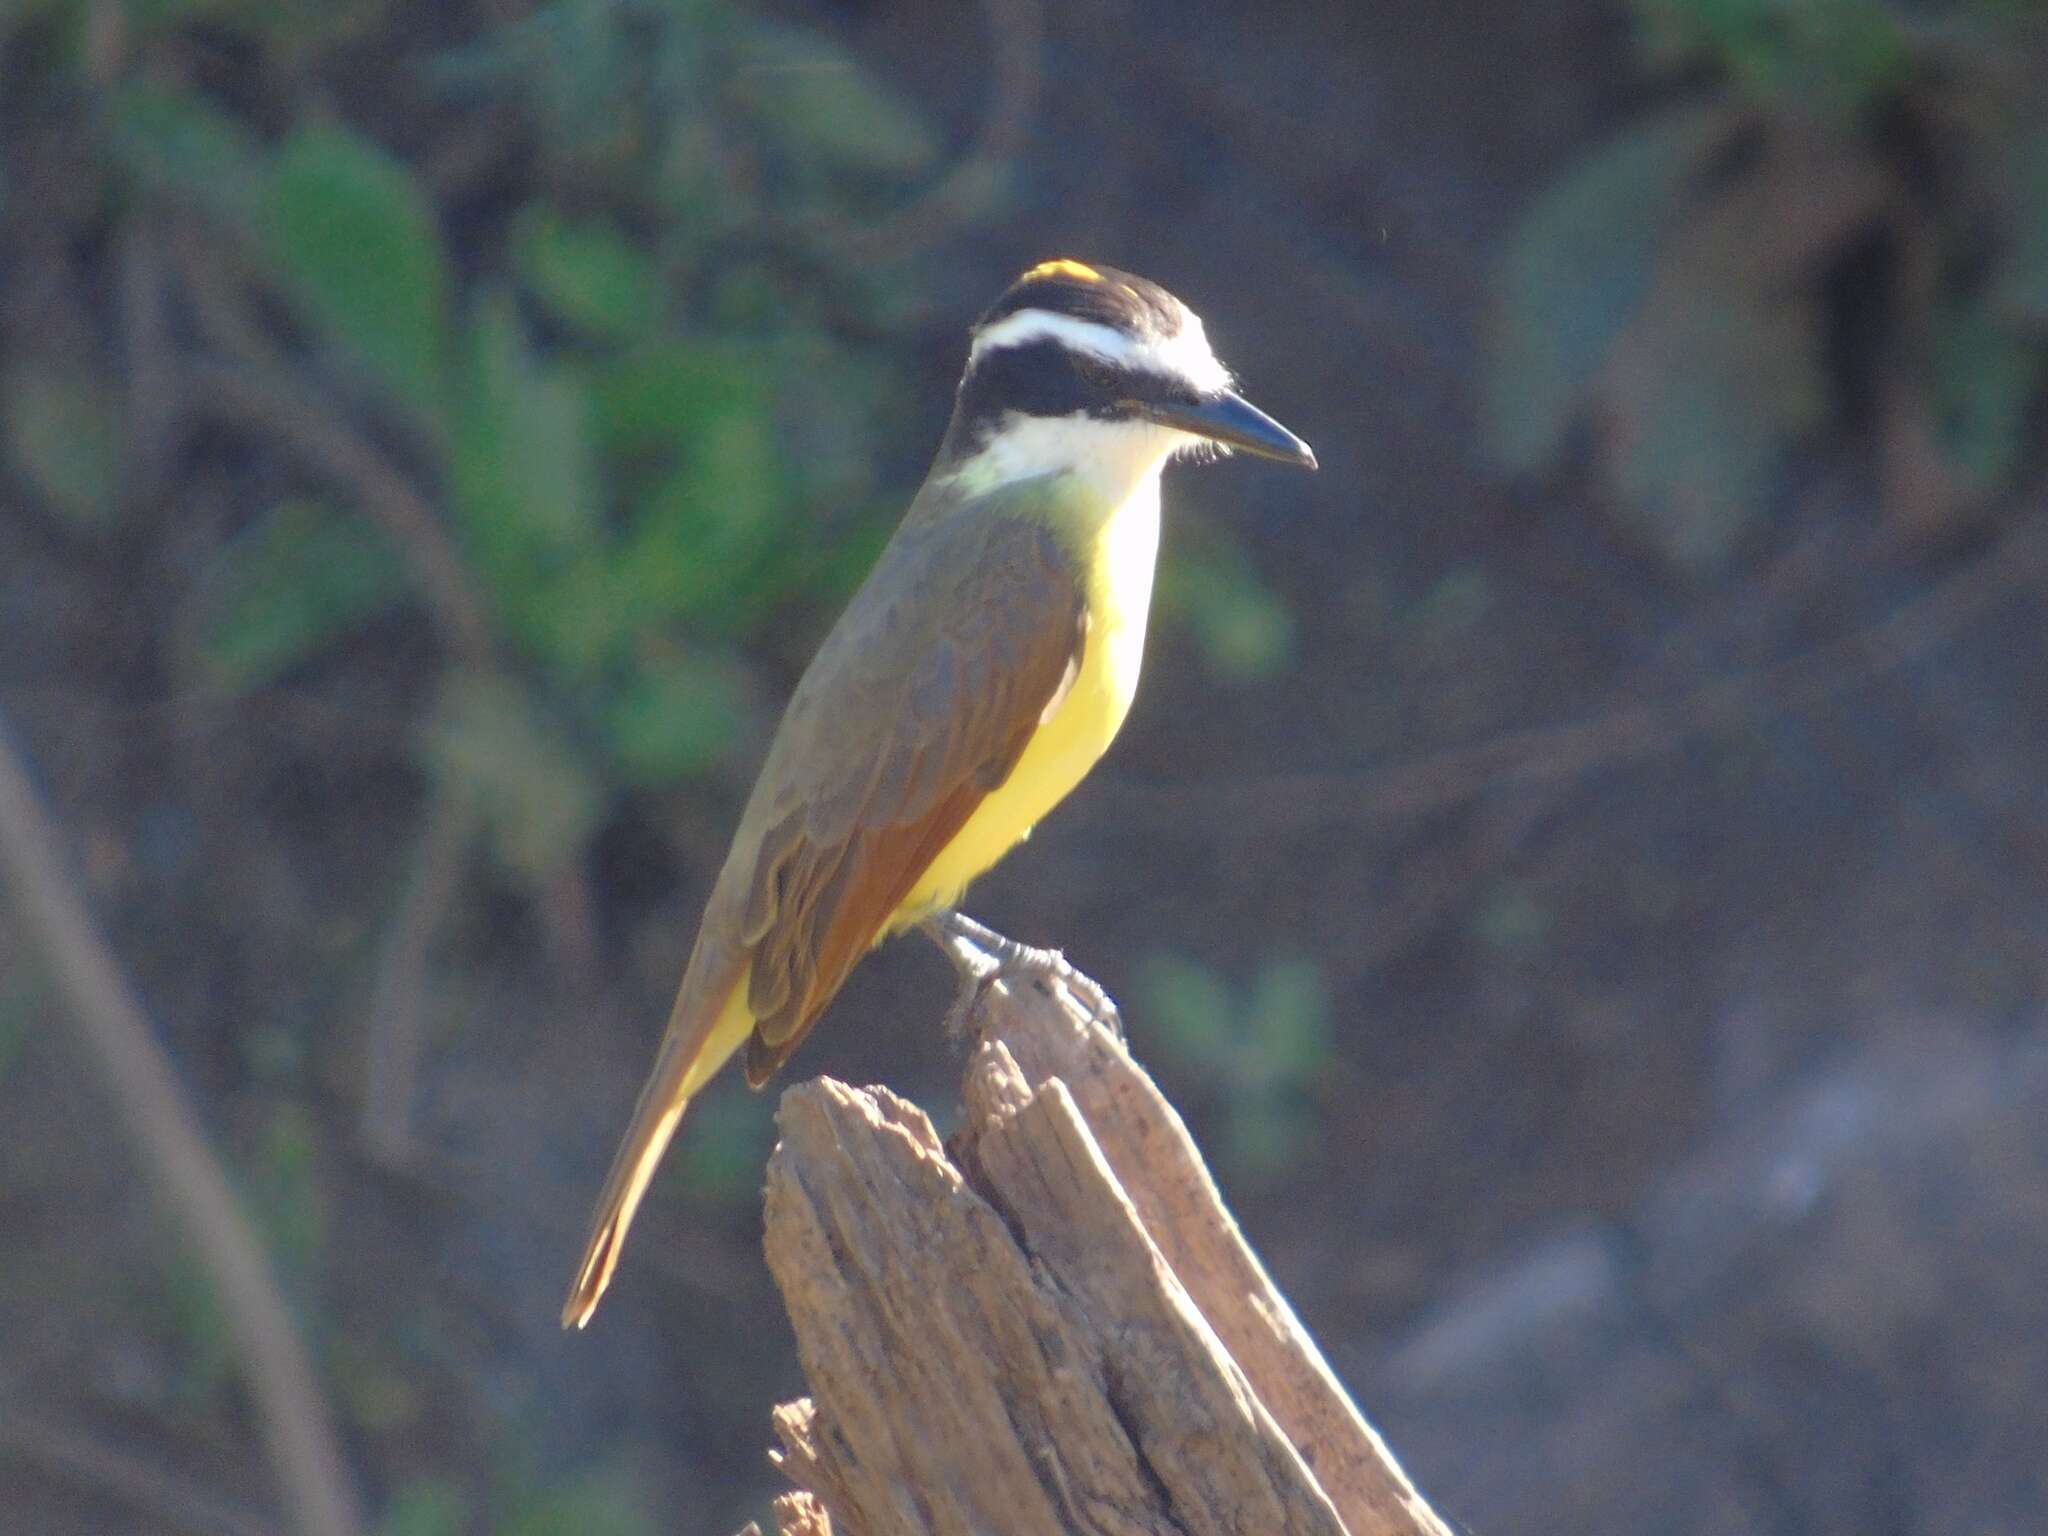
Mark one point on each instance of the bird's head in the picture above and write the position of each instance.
(1085, 369)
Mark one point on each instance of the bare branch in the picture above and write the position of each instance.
(172, 1148)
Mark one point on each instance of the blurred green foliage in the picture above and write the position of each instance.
(352, 237)
(1211, 585)
(176, 144)
(599, 1503)
(296, 580)
(183, 1299)
(1578, 268)
(287, 1193)
(1258, 1049)
(638, 391)
(726, 1141)
(570, 276)
(603, 1503)
(1678, 292)
(1837, 56)
(62, 435)
(426, 1506)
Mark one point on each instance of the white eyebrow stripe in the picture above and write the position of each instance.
(1029, 325)
(1183, 356)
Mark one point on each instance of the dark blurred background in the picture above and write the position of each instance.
(1580, 862)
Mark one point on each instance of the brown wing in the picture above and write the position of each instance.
(918, 705)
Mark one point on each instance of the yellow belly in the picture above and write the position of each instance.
(1081, 728)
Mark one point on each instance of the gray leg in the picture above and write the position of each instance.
(982, 957)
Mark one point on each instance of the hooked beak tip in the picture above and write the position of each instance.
(1232, 421)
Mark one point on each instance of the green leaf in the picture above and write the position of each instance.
(1290, 1009)
(177, 142)
(525, 479)
(825, 108)
(1575, 269)
(62, 435)
(356, 243)
(650, 402)
(1985, 378)
(678, 715)
(1244, 628)
(537, 795)
(582, 620)
(587, 275)
(1711, 388)
(708, 541)
(523, 453)
(707, 545)
(1193, 1006)
(288, 588)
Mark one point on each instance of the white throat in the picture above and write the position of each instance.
(1110, 458)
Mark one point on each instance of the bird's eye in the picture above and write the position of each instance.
(1094, 370)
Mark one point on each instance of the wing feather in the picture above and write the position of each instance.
(899, 730)
(920, 702)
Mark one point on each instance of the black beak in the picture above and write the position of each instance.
(1235, 422)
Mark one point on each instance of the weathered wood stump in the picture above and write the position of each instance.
(1051, 1323)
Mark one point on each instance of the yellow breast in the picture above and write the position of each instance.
(1119, 555)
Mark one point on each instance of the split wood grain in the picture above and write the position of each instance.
(1052, 1324)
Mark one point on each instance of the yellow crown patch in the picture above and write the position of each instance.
(1063, 267)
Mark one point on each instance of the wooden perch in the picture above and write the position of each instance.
(1051, 1324)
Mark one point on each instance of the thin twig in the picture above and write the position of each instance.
(172, 1148)
(1016, 32)
(395, 1026)
(260, 392)
(274, 403)
(259, 389)
(149, 357)
(1439, 880)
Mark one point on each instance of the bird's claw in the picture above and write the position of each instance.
(984, 957)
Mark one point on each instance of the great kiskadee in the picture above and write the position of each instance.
(981, 669)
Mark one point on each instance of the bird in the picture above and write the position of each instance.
(977, 674)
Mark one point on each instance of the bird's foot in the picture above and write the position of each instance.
(984, 957)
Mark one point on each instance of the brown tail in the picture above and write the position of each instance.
(688, 1057)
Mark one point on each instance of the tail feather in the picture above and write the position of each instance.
(687, 1060)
